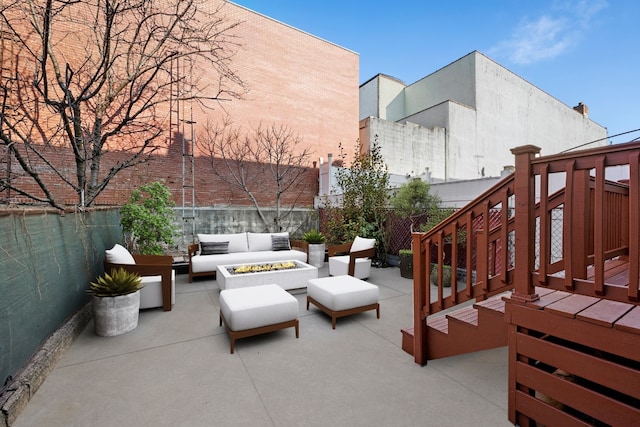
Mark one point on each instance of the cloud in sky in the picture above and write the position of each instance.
(551, 34)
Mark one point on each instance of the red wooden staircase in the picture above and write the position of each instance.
(548, 263)
(474, 327)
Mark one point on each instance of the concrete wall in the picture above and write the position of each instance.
(46, 265)
(485, 111)
(218, 220)
(407, 148)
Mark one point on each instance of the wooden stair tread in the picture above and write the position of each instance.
(604, 312)
(495, 304)
(630, 322)
(467, 315)
(571, 305)
(438, 323)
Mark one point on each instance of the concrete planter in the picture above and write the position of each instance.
(116, 315)
(316, 254)
(406, 266)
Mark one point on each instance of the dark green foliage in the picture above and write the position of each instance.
(364, 205)
(413, 199)
(118, 282)
(147, 220)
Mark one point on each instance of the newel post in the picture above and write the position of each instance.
(420, 298)
(525, 188)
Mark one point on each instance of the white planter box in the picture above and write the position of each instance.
(295, 278)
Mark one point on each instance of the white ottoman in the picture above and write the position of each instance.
(340, 296)
(257, 310)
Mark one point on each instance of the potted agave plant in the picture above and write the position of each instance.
(116, 302)
(316, 242)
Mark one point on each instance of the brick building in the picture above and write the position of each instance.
(290, 78)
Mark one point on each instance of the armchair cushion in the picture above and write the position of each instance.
(119, 255)
(361, 244)
(357, 263)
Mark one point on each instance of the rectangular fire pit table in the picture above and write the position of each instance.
(289, 279)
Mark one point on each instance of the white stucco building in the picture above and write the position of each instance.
(460, 122)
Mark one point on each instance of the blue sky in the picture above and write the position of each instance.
(576, 50)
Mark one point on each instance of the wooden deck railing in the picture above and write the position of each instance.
(476, 244)
(600, 222)
(509, 237)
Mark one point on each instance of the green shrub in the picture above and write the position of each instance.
(147, 220)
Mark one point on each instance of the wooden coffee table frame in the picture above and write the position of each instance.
(235, 335)
(342, 313)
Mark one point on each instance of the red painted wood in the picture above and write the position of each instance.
(630, 322)
(604, 312)
(571, 305)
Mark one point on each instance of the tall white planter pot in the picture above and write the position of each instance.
(116, 315)
(316, 254)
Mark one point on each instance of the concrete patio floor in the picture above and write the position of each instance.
(175, 369)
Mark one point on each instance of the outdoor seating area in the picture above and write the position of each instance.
(175, 368)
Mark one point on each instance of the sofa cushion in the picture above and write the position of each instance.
(214, 248)
(237, 241)
(259, 241)
(262, 241)
(119, 255)
(280, 243)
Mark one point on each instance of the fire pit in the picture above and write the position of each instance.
(286, 274)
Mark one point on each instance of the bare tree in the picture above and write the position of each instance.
(95, 76)
(269, 160)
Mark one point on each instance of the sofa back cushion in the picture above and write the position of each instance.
(262, 241)
(214, 248)
(237, 241)
(280, 243)
(119, 255)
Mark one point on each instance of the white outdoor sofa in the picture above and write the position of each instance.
(240, 248)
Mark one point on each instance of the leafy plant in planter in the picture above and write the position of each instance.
(116, 302)
(313, 237)
(315, 240)
(406, 263)
(147, 220)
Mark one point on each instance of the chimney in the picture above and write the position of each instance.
(582, 109)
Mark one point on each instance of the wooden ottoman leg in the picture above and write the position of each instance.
(378, 310)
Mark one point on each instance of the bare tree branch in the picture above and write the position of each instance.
(97, 75)
(267, 161)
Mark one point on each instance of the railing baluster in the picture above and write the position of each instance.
(454, 263)
(482, 276)
(567, 222)
(599, 219)
(544, 248)
(504, 236)
(469, 260)
(634, 225)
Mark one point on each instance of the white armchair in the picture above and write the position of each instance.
(157, 275)
(358, 261)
